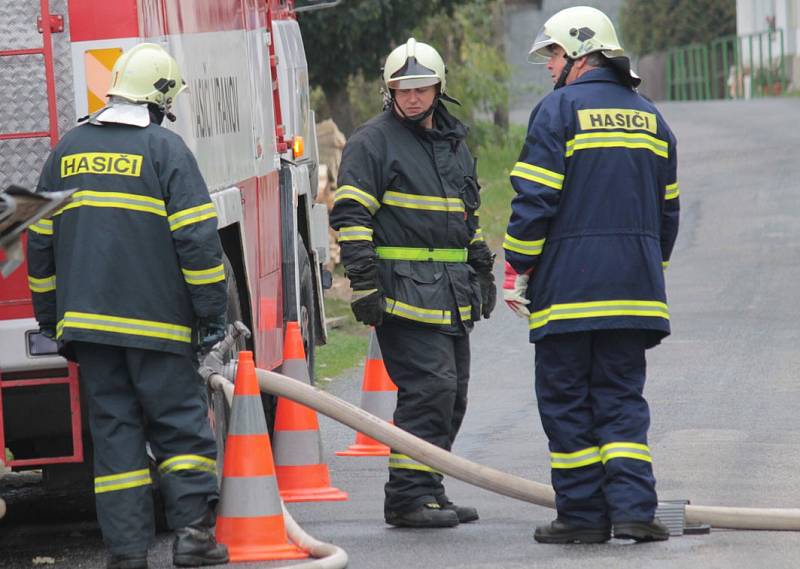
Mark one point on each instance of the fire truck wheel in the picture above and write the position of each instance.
(307, 316)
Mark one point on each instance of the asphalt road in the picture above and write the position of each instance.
(723, 388)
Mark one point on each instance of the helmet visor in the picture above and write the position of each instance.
(540, 50)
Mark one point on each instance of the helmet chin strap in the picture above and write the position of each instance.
(416, 119)
(562, 79)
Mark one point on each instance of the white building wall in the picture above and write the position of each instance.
(754, 16)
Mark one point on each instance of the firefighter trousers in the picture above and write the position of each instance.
(589, 388)
(431, 371)
(138, 396)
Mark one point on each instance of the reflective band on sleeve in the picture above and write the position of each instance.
(403, 461)
(360, 196)
(530, 248)
(421, 254)
(45, 284)
(119, 200)
(205, 276)
(539, 175)
(575, 459)
(359, 294)
(478, 236)
(187, 462)
(409, 312)
(465, 312)
(42, 227)
(636, 451)
(597, 309)
(355, 233)
(427, 203)
(672, 191)
(192, 215)
(617, 140)
(122, 481)
(118, 325)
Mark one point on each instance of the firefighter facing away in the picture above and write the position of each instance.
(592, 228)
(406, 210)
(129, 278)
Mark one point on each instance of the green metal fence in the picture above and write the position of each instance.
(731, 67)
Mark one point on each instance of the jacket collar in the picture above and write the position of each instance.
(601, 74)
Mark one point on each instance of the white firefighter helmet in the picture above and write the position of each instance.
(579, 30)
(147, 74)
(413, 65)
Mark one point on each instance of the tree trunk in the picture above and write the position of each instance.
(499, 41)
(339, 105)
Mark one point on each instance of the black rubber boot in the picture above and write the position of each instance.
(127, 561)
(426, 516)
(465, 514)
(642, 531)
(561, 533)
(195, 545)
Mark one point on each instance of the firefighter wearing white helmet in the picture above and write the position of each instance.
(592, 228)
(128, 278)
(406, 211)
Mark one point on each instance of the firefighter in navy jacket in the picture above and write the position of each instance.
(406, 210)
(128, 277)
(592, 229)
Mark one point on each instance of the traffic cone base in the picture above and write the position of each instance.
(307, 484)
(243, 537)
(365, 446)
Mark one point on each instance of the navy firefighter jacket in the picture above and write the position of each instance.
(596, 210)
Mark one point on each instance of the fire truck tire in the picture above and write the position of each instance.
(308, 306)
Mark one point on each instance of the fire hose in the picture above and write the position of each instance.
(483, 476)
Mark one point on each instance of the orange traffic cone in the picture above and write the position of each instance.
(250, 518)
(302, 475)
(378, 396)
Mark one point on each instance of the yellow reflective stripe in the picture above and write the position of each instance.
(362, 197)
(478, 236)
(42, 227)
(123, 481)
(117, 200)
(465, 312)
(664, 265)
(187, 462)
(597, 309)
(575, 459)
(355, 233)
(672, 191)
(45, 284)
(410, 312)
(539, 175)
(422, 254)
(426, 203)
(529, 248)
(405, 462)
(119, 325)
(359, 294)
(204, 276)
(191, 215)
(636, 451)
(617, 140)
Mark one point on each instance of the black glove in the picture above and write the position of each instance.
(368, 307)
(48, 331)
(210, 330)
(488, 293)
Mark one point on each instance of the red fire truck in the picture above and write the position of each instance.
(248, 121)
